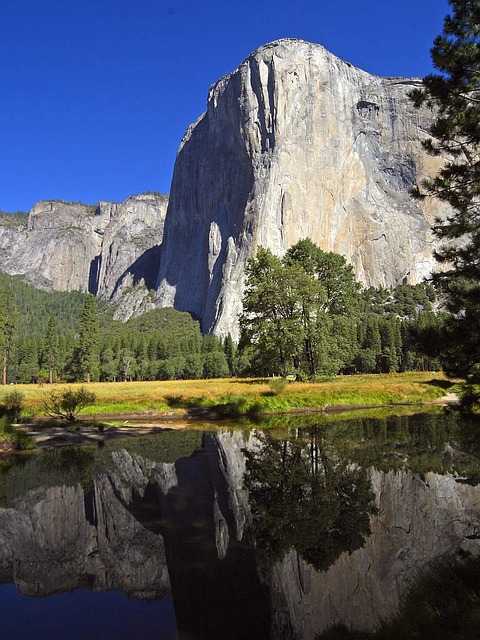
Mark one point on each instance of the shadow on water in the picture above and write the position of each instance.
(443, 603)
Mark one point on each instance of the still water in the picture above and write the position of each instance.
(274, 530)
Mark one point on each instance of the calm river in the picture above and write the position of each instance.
(275, 530)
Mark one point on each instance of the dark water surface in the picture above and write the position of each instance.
(274, 530)
(84, 614)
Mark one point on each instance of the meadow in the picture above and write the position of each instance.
(233, 396)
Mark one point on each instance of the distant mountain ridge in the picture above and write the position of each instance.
(294, 143)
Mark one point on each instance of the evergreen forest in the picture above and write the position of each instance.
(72, 337)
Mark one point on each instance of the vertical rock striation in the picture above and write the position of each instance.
(296, 143)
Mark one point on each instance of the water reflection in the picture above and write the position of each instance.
(304, 497)
(257, 533)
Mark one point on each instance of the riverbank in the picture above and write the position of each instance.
(138, 408)
(113, 426)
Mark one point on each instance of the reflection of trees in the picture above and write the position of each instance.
(304, 498)
(51, 467)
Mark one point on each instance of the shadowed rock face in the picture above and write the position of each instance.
(296, 143)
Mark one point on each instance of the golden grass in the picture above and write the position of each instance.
(173, 394)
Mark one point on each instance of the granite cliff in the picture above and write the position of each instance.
(296, 143)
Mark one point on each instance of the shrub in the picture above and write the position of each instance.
(277, 385)
(67, 403)
(12, 404)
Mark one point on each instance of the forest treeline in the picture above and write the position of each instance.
(68, 337)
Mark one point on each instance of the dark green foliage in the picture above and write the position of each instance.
(397, 328)
(83, 364)
(371, 333)
(163, 344)
(56, 337)
(36, 307)
(67, 403)
(455, 94)
(303, 497)
(8, 323)
(298, 312)
(230, 350)
(11, 405)
(50, 353)
(303, 315)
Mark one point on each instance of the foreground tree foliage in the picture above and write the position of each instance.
(455, 94)
(336, 329)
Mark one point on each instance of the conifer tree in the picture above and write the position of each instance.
(8, 321)
(454, 93)
(85, 357)
(50, 349)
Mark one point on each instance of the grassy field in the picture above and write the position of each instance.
(242, 396)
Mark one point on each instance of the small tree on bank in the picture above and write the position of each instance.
(67, 403)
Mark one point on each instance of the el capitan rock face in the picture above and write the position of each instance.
(296, 143)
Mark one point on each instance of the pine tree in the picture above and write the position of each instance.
(85, 357)
(50, 349)
(8, 322)
(455, 95)
(230, 350)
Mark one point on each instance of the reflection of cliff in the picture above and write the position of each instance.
(58, 539)
(194, 516)
(216, 588)
(420, 519)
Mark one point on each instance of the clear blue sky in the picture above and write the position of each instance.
(95, 95)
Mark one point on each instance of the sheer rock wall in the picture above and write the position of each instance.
(296, 143)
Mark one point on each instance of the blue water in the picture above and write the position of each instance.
(84, 615)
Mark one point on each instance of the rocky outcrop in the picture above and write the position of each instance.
(296, 143)
(60, 538)
(111, 250)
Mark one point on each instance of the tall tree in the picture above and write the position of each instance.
(297, 312)
(50, 349)
(8, 321)
(454, 93)
(85, 357)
